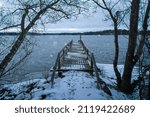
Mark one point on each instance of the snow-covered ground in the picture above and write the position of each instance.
(74, 85)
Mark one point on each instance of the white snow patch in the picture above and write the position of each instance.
(74, 85)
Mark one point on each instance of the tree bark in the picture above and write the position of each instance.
(144, 33)
(115, 62)
(130, 59)
(149, 87)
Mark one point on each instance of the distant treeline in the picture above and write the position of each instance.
(104, 32)
(108, 32)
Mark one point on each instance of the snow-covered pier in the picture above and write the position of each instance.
(76, 57)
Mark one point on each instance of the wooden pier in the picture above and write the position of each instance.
(75, 56)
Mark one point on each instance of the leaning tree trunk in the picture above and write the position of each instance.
(130, 59)
(22, 36)
(15, 46)
(12, 52)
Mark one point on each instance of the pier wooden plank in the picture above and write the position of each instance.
(75, 56)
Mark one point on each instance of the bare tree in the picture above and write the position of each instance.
(28, 13)
(133, 55)
(133, 52)
(114, 16)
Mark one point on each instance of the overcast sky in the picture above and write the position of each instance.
(93, 23)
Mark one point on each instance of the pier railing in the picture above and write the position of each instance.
(59, 58)
(88, 53)
(90, 56)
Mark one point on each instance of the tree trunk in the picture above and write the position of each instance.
(114, 18)
(130, 59)
(21, 37)
(144, 33)
(12, 52)
(149, 87)
(115, 62)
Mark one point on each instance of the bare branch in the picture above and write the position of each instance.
(115, 4)
(23, 19)
(16, 64)
(60, 10)
(9, 27)
(98, 4)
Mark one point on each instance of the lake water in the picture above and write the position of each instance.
(46, 49)
(47, 46)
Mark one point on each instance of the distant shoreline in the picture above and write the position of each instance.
(105, 32)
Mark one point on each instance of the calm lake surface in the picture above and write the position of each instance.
(46, 48)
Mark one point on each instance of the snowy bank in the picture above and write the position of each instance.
(74, 85)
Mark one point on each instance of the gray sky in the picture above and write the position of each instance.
(94, 22)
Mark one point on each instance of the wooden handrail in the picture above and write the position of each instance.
(66, 48)
(100, 83)
(63, 52)
(58, 60)
(54, 70)
(88, 53)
